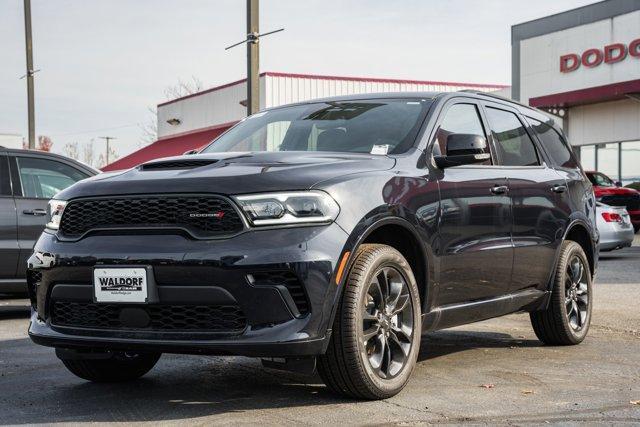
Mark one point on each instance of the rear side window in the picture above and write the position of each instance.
(42, 178)
(513, 143)
(554, 144)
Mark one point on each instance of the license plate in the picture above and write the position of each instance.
(120, 284)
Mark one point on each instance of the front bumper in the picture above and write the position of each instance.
(279, 322)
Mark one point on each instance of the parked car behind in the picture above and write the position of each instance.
(28, 179)
(330, 234)
(614, 226)
(613, 193)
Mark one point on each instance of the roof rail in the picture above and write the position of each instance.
(493, 95)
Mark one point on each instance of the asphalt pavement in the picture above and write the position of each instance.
(493, 372)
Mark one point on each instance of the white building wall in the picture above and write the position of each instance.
(205, 110)
(540, 57)
(282, 90)
(616, 121)
(220, 106)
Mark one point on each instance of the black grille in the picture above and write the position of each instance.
(177, 164)
(202, 216)
(631, 202)
(289, 280)
(172, 318)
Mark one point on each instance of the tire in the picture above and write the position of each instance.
(379, 366)
(119, 367)
(636, 227)
(567, 318)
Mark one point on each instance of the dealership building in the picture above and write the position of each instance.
(192, 121)
(583, 66)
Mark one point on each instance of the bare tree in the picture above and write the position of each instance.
(182, 88)
(72, 150)
(44, 143)
(102, 161)
(88, 153)
(150, 127)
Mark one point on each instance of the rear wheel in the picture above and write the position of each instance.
(566, 320)
(376, 332)
(120, 366)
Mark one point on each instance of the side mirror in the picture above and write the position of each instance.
(190, 152)
(463, 149)
(618, 184)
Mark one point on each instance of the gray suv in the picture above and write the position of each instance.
(28, 179)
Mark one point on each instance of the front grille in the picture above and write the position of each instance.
(202, 216)
(287, 279)
(178, 164)
(170, 318)
(631, 202)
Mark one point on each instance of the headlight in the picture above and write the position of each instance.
(289, 208)
(54, 213)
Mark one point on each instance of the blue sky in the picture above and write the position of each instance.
(105, 62)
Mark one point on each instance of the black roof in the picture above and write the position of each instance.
(48, 154)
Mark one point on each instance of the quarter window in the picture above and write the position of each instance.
(554, 143)
(513, 143)
(459, 118)
(42, 178)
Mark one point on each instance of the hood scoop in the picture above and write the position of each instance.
(177, 164)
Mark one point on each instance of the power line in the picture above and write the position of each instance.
(97, 130)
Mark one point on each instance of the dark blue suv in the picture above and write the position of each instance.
(323, 235)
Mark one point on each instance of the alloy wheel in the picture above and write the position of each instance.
(387, 323)
(576, 294)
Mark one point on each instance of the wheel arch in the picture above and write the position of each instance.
(578, 232)
(402, 236)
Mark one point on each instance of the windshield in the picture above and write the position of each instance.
(377, 126)
(600, 180)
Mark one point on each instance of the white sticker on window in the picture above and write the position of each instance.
(380, 149)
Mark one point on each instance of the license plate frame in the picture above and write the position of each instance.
(128, 285)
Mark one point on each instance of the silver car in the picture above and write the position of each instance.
(614, 226)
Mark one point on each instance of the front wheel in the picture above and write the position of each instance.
(567, 318)
(120, 366)
(376, 332)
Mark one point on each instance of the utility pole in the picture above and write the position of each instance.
(253, 55)
(253, 58)
(29, 74)
(107, 139)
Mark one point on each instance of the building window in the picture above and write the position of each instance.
(588, 157)
(608, 160)
(620, 161)
(630, 162)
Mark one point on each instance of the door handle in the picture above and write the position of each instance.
(35, 212)
(558, 188)
(499, 189)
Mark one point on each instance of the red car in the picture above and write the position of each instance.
(612, 193)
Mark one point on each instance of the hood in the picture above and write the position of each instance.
(230, 173)
(613, 191)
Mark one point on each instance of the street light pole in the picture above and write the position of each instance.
(253, 57)
(29, 74)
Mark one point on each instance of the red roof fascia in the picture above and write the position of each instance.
(610, 92)
(166, 147)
